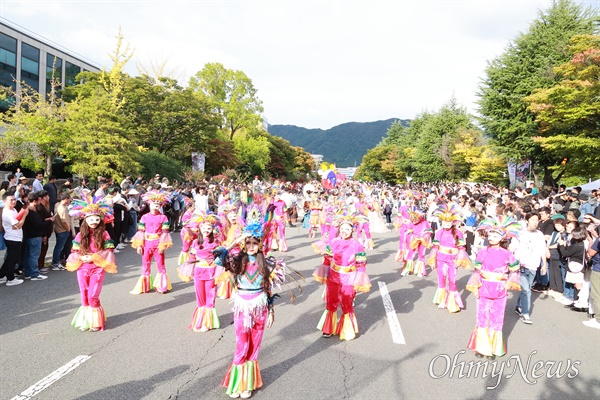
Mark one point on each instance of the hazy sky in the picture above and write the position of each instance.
(315, 64)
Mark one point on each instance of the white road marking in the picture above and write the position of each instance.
(397, 335)
(50, 379)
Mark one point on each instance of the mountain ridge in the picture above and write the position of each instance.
(344, 144)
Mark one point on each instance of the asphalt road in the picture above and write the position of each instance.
(148, 352)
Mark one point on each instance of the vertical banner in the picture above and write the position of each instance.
(522, 174)
(512, 174)
(198, 160)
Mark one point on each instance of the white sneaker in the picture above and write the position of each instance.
(592, 323)
(3, 280)
(120, 246)
(39, 278)
(116, 251)
(14, 282)
(566, 301)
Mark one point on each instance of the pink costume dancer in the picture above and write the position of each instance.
(363, 227)
(232, 230)
(151, 240)
(496, 271)
(280, 217)
(92, 256)
(253, 310)
(315, 215)
(189, 233)
(344, 272)
(403, 224)
(202, 260)
(447, 254)
(419, 240)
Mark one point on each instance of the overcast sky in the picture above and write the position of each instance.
(315, 64)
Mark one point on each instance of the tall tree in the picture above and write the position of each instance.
(524, 66)
(100, 145)
(568, 113)
(35, 122)
(436, 138)
(166, 117)
(232, 95)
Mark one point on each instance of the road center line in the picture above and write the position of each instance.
(397, 335)
(50, 379)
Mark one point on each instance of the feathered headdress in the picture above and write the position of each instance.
(347, 217)
(255, 230)
(226, 208)
(154, 196)
(408, 194)
(504, 225)
(448, 213)
(87, 205)
(204, 218)
(416, 214)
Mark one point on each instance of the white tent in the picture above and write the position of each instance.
(588, 187)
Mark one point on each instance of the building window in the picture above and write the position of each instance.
(30, 66)
(8, 66)
(53, 71)
(71, 71)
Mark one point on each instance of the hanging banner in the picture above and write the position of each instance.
(198, 160)
(522, 174)
(512, 174)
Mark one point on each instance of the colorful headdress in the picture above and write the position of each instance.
(87, 205)
(253, 213)
(204, 218)
(154, 196)
(416, 214)
(346, 217)
(255, 230)
(226, 208)
(448, 213)
(504, 225)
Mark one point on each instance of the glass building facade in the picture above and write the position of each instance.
(29, 60)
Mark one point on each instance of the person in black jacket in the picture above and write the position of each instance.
(33, 231)
(574, 252)
(52, 190)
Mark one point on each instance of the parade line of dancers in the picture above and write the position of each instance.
(228, 255)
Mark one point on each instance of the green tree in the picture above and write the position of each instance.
(153, 162)
(164, 116)
(524, 66)
(379, 165)
(34, 128)
(252, 151)
(304, 163)
(232, 96)
(435, 141)
(282, 157)
(100, 145)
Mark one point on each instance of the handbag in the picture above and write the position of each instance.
(576, 266)
(387, 209)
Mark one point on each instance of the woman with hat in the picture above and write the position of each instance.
(151, 240)
(344, 272)
(447, 254)
(92, 256)
(496, 271)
